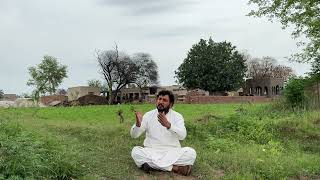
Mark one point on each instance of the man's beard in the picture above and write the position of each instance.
(161, 109)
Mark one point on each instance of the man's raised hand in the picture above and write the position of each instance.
(138, 118)
(163, 120)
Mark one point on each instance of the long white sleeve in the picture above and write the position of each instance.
(136, 131)
(179, 128)
(156, 134)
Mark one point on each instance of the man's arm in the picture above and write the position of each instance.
(177, 127)
(139, 127)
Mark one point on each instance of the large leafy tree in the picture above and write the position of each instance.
(212, 66)
(303, 14)
(47, 76)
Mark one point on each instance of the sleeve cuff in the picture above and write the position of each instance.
(173, 128)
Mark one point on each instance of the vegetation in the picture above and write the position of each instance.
(212, 66)
(120, 70)
(304, 92)
(147, 71)
(303, 14)
(1, 93)
(234, 141)
(267, 67)
(46, 76)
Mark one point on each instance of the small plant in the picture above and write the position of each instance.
(120, 114)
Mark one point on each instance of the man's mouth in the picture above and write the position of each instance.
(160, 106)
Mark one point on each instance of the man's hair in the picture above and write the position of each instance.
(169, 93)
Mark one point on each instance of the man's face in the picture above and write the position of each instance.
(163, 103)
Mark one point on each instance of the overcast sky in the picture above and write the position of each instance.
(72, 30)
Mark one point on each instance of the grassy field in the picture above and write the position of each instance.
(234, 141)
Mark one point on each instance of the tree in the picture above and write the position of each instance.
(303, 14)
(1, 93)
(147, 71)
(212, 66)
(46, 76)
(294, 92)
(117, 69)
(94, 83)
(267, 67)
(62, 92)
(315, 67)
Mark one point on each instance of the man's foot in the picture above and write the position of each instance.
(146, 168)
(183, 170)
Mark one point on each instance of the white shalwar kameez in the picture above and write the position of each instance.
(162, 148)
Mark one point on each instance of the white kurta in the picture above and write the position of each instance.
(162, 148)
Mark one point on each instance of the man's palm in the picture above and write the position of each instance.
(138, 118)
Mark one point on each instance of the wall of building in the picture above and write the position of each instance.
(46, 100)
(75, 92)
(225, 99)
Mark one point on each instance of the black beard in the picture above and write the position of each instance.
(162, 109)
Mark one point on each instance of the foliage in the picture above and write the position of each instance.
(61, 92)
(148, 70)
(315, 67)
(212, 66)
(294, 92)
(267, 67)
(303, 14)
(94, 83)
(120, 70)
(1, 93)
(46, 76)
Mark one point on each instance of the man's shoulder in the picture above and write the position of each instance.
(176, 113)
(150, 113)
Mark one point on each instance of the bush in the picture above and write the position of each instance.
(294, 93)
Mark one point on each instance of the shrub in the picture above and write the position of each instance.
(294, 92)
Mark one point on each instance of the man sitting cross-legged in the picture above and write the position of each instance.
(164, 128)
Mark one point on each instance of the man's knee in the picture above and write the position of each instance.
(190, 152)
(136, 151)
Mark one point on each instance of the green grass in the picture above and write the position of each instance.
(233, 141)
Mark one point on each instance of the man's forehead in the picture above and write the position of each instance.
(164, 96)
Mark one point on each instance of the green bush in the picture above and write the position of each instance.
(294, 92)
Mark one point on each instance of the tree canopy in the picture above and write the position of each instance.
(212, 66)
(119, 69)
(147, 70)
(46, 76)
(303, 14)
(267, 67)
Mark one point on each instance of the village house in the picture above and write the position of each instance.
(269, 87)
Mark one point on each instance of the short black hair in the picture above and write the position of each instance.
(169, 93)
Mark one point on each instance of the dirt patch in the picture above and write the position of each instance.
(164, 176)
